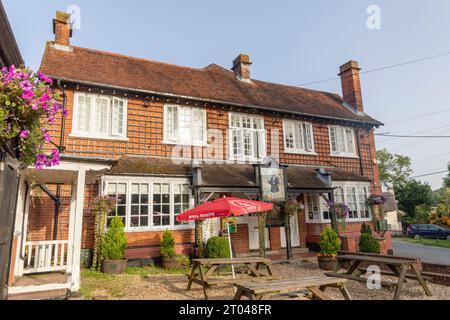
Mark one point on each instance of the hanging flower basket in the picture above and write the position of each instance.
(377, 201)
(28, 107)
(341, 210)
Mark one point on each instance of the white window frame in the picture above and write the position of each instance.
(344, 141)
(318, 218)
(304, 143)
(323, 206)
(261, 148)
(89, 134)
(178, 140)
(150, 181)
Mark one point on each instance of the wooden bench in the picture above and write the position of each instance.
(290, 288)
(258, 268)
(398, 266)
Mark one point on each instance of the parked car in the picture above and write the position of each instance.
(432, 231)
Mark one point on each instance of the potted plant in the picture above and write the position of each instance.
(113, 247)
(167, 250)
(330, 244)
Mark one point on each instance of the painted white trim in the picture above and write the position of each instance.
(109, 136)
(299, 151)
(246, 159)
(44, 287)
(128, 180)
(77, 216)
(342, 154)
(193, 143)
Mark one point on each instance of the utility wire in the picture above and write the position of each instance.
(382, 68)
(415, 133)
(409, 136)
(429, 174)
(418, 117)
(431, 158)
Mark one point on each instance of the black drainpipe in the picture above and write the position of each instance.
(63, 120)
(57, 211)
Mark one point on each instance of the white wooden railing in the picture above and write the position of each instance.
(45, 256)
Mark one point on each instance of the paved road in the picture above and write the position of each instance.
(425, 253)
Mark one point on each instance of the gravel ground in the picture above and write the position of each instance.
(173, 287)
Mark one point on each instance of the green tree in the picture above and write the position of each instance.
(447, 178)
(394, 168)
(413, 193)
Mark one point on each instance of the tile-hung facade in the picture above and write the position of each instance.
(144, 123)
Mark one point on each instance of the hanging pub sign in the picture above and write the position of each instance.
(232, 225)
(273, 187)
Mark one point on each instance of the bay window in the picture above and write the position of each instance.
(298, 137)
(342, 141)
(149, 204)
(184, 125)
(353, 194)
(247, 137)
(99, 116)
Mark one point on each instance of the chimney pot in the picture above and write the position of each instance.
(351, 85)
(241, 67)
(62, 28)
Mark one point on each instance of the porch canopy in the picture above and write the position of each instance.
(230, 177)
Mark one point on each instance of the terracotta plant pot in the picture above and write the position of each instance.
(170, 263)
(326, 263)
(114, 266)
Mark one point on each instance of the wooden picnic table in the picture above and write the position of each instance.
(398, 266)
(254, 265)
(270, 289)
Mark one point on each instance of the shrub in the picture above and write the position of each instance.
(183, 260)
(329, 243)
(368, 243)
(114, 242)
(217, 247)
(167, 245)
(365, 228)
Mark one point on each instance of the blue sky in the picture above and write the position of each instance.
(294, 42)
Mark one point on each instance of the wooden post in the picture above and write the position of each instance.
(288, 236)
(76, 228)
(198, 226)
(262, 234)
(334, 224)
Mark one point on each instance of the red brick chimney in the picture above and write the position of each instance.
(62, 28)
(241, 67)
(351, 85)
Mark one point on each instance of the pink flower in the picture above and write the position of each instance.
(45, 98)
(46, 136)
(27, 95)
(44, 78)
(24, 134)
(26, 85)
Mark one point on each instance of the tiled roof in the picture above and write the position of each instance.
(212, 83)
(229, 175)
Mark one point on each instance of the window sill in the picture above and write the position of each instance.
(300, 152)
(159, 229)
(246, 160)
(343, 155)
(82, 136)
(204, 144)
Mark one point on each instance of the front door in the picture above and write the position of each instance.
(295, 238)
(253, 233)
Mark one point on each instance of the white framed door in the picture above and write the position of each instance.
(295, 235)
(253, 234)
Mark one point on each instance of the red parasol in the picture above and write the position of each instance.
(224, 207)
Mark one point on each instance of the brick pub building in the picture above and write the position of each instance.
(161, 138)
